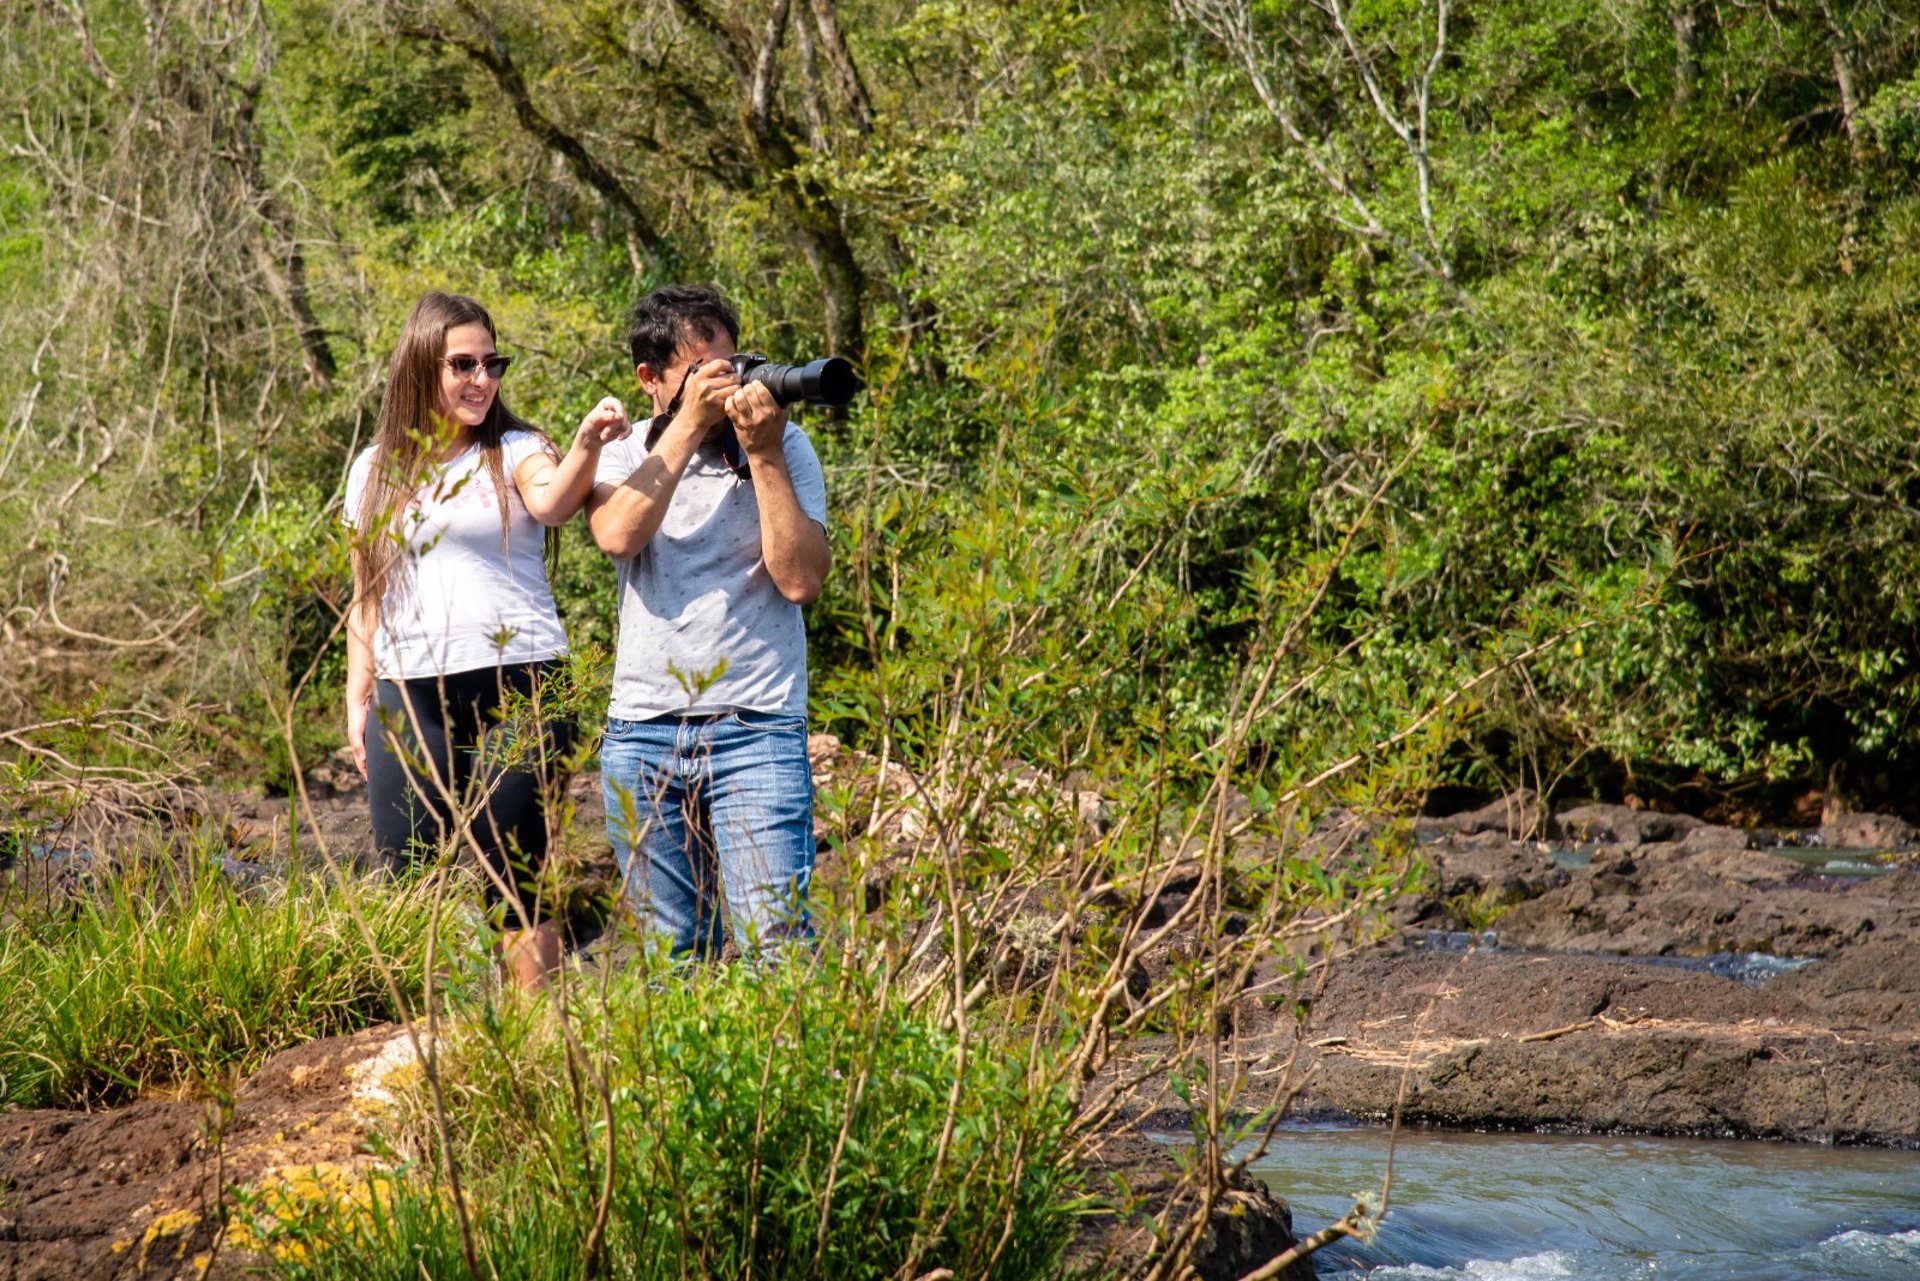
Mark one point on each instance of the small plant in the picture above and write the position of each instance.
(164, 973)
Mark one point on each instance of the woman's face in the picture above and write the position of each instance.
(467, 398)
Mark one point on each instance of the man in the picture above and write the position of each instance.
(715, 514)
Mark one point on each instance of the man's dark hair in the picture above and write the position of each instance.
(674, 316)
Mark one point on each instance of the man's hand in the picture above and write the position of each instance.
(605, 423)
(759, 420)
(703, 399)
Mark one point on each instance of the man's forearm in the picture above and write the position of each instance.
(792, 544)
(625, 517)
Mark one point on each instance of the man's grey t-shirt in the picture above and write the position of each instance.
(699, 596)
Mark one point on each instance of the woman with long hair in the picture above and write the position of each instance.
(452, 614)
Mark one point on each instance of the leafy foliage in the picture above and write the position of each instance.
(794, 1122)
(1575, 305)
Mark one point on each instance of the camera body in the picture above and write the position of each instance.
(829, 382)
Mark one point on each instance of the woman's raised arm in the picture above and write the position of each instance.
(554, 491)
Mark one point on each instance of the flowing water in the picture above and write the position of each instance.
(1521, 1207)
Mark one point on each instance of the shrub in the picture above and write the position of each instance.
(798, 1121)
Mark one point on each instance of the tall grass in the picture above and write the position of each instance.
(795, 1121)
(169, 973)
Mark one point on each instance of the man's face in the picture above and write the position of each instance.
(661, 384)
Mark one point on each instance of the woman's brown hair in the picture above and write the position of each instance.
(408, 432)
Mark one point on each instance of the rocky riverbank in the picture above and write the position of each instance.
(1638, 972)
(1595, 968)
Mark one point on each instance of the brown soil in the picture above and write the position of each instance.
(141, 1191)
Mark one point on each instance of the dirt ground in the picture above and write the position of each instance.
(138, 1191)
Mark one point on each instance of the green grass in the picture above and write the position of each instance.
(163, 974)
(797, 1122)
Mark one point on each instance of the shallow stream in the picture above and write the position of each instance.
(1521, 1207)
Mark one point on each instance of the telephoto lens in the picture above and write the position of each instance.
(829, 382)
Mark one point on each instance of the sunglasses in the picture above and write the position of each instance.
(467, 366)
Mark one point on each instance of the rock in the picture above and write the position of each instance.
(1514, 871)
(1868, 832)
(1875, 983)
(1619, 825)
(1635, 905)
(337, 775)
(1249, 1226)
(1759, 869)
(1514, 815)
(121, 1193)
(1508, 1040)
(1710, 838)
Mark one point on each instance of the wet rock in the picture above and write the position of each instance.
(1619, 825)
(1249, 1226)
(1868, 832)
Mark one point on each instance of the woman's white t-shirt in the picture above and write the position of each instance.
(469, 601)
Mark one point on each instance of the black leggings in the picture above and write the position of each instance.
(454, 722)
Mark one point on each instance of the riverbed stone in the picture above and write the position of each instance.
(1873, 984)
(1514, 815)
(1249, 1227)
(1504, 1039)
(1712, 838)
(1868, 832)
(1619, 825)
(1513, 871)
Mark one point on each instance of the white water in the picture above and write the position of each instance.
(1477, 1207)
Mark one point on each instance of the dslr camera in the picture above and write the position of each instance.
(829, 382)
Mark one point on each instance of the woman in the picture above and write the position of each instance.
(452, 611)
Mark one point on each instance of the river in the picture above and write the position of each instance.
(1520, 1207)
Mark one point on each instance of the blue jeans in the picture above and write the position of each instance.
(717, 807)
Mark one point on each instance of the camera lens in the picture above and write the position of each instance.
(829, 381)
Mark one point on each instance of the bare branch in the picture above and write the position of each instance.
(1230, 22)
(645, 245)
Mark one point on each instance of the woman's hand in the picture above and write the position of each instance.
(357, 731)
(605, 423)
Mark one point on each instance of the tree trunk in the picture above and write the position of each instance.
(645, 245)
(276, 247)
(851, 86)
(1846, 78)
(1686, 54)
(812, 214)
(1850, 107)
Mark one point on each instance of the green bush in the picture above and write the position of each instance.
(798, 1121)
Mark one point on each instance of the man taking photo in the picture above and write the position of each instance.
(715, 515)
